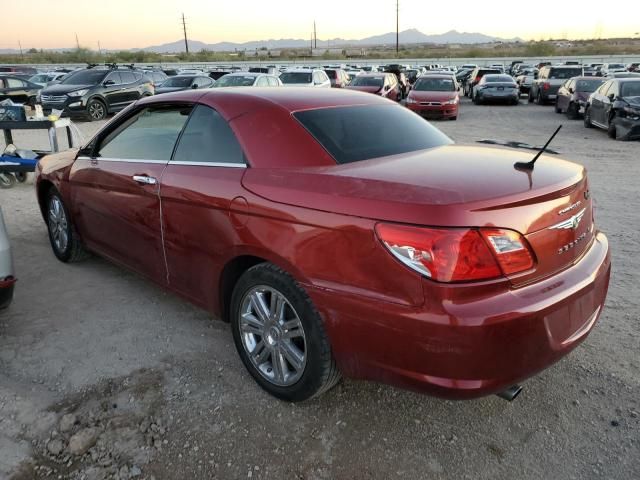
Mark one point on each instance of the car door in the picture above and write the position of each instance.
(112, 90)
(114, 187)
(608, 100)
(597, 103)
(130, 88)
(200, 186)
(17, 90)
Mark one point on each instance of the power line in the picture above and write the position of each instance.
(184, 28)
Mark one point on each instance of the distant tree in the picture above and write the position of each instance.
(32, 50)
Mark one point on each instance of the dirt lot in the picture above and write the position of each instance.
(94, 359)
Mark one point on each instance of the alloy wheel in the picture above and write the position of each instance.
(272, 335)
(58, 226)
(96, 110)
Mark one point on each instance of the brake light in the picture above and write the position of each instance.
(457, 254)
(546, 86)
(478, 78)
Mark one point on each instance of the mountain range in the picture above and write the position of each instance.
(407, 37)
(411, 36)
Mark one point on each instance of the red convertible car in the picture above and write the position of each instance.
(340, 234)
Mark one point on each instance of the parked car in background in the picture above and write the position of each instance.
(550, 78)
(157, 77)
(592, 69)
(170, 72)
(248, 79)
(435, 96)
(267, 70)
(219, 73)
(525, 79)
(338, 77)
(615, 107)
(339, 234)
(609, 76)
(520, 68)
(496, 88)
(633, 67)
(18, 90)
(412, 75)
(95, 92)
(302, 77)
(383, 84)
(44, 79)
(185, 82)
(190, 71)
(475, 78)
(608, 68)
(20, 71)
(574, 93)
(7, 275)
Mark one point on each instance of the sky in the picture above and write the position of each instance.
(122, 24)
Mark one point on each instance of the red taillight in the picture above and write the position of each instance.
(510, 249)
(546, 86)
(478, 78)
(457, 254)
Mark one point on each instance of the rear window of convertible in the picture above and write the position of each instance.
(355, 133)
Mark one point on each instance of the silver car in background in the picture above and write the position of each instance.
(7, 279)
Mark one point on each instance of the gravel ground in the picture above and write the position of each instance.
(104, 375)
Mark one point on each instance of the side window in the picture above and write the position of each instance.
(614, 90)
(208, 138)
(14, 83)
(149, 135)
(127, 77)
(114, 77)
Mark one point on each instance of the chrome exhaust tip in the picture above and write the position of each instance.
(510, 393)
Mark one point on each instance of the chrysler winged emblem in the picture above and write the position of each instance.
(570, 223)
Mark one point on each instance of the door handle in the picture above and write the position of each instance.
(145, 179)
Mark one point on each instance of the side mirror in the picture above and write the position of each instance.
(387, 87)
(571, 91)
(194, 86)
(611, 97)
(109, 82)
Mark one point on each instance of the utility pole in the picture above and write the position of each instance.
(99, 48)
(315, 35)
(184, 28)
(397, 26)
(77, 42)
(20, 45)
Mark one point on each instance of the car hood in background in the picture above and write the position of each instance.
(364, 89)
(160, 90)
(422, 96)
(61, 89)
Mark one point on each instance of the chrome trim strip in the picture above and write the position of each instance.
(209, 164)
(125, 160)
(569, 223)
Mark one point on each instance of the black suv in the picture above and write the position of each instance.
(96, 91)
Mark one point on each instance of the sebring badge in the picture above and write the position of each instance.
(569, 223)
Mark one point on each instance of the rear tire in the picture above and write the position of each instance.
(539, 99)
(65, 242)
(96, 110)
(557, 108)
(280, 335)
(572, 111)
(7, 180)
(587, 117)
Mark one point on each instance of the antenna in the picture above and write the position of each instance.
(184, 28)
(530, 165)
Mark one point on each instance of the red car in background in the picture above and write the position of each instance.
(435, 96)
(383, 84)
(339, 233)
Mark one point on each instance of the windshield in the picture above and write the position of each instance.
(565, 73)
(368, 82)
(356, 133)
(616, 65)
(295, 77)
(85, 77)
(331, 73)
(434, 85)
(235, 81)
(177, 82)
(630, 89)
(498, 78)
(587, 85)
(40, 78)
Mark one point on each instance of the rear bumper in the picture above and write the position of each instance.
(627, 129)
(468, 341)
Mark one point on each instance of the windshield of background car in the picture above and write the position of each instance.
(616, 65)
(498, 78)
(368, 82)
(85, 77)
(355, 133)
(296, 77)
(564, 73)
(235, 81)
(331, 73)
(434, 85)
(482, 73)
(177, 82)
(587, 86)
(630, 89)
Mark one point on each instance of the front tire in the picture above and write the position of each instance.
(587, 117)
(572, 111)
(65, 243)
(96, 110)
(557, 108)
(280, 336)
(611, 130)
